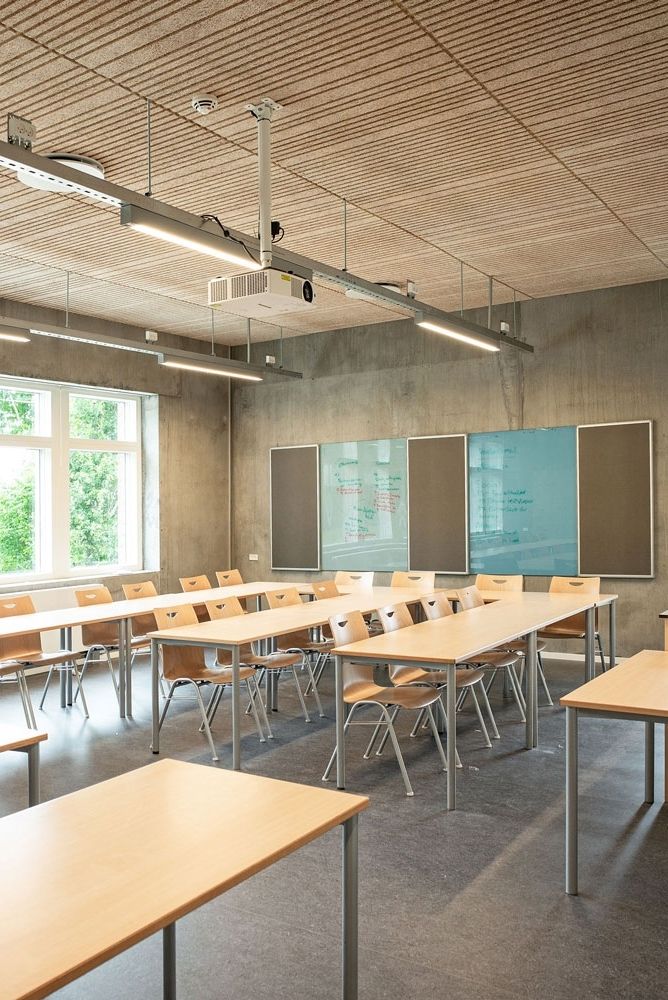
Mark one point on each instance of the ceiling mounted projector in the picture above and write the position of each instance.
(261, 294)
(83, 163)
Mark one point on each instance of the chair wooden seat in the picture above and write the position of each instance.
(520, 646)
(406, 697)
(561, 632)
(437, 678)
(495, 658)
(50, 659)
(224, 675)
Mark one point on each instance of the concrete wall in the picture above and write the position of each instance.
(185, 441)
(600, 356)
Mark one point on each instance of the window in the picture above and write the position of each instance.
(70, 481)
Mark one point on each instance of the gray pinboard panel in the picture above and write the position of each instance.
(295, 509)
(615, 499)
(437, 504)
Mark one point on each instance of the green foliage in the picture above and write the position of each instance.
(94, 419)
(17, 522)
(17, 412)
(93, 507)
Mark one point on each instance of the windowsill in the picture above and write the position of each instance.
(70, 581)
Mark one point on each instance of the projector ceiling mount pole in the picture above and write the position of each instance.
(262, 113)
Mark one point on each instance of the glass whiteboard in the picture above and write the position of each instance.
(364, 505)
(523, 502)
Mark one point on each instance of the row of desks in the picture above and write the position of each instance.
(437, 644)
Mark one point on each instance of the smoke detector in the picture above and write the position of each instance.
(204, 103)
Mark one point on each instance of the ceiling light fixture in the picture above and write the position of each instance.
(203, 240)
(205, 367)
(15, 334)
(50, 181)
(457, 334)
(43, 182)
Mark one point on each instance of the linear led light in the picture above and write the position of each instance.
(465, 338)
(57, 183)
(189, 237)
(15, 334)
(206, 369)
(99, 341)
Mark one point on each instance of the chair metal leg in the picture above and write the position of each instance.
(256, 717)
(168, 701)
(543, 681)
(384, 739)
(488, 709)
(25, 699)
(261, 674)
(418, 722)
(214, 702)
(207, 730)
(263, 709)
(346, 727)
(46, 687)
(483, 727)
(491, 680)
(600, 651)
(313, 686)
(398, 754)
(434, 729)
(307, 717)
(515, 685)
(79, 680)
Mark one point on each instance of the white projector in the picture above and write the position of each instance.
(260, 294)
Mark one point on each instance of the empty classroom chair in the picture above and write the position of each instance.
(360, 689)
(497, 581)
(192, 583)
(414, 578)
(353, 579)
(141, 625)
(228, 577)
(300, 640)
(574, 626)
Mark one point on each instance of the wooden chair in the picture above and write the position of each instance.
(414, 578)
(360, 689)
(301, 641)
(19, 653)
(484, 581)
(515, 583)
(27, 741)
(353, 579)
(187, 665)
(142, 624)
(574, 626)
(228, 577)
(396, 616)
(494, 660)
(324, 589)
(192, 583)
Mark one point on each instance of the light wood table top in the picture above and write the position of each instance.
(280, 621)
(638, 686)
(18, 737)
(72, 897)
(518, 596)
(459, 637)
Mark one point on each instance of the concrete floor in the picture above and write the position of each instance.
(465, 906)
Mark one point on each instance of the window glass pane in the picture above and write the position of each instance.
(20, 412)
(99, 419)
(19, 477)
(95, 481)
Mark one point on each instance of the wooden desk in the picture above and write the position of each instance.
(602, 601)
(122, 612)
(27, 741)
(447, 641)
(637, 690)
(189, 833)
(232, 633)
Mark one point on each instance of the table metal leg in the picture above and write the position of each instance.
(33, 775)
(612, 624)
(350, 933)
(649, 762)
(340, 723)
(236, 711)
(451, 745)
(590, 655)
(155, 696)
(121, 667)
(572, 801)
(532, 691)
(127, 629)
(169, 962)
(63, 671)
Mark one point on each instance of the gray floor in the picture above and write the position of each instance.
(467, 905)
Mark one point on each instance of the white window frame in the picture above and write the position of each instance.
(53, 544)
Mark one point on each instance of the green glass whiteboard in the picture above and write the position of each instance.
(523, 502)
(363, 505)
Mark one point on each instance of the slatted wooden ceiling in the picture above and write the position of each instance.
(527, 138)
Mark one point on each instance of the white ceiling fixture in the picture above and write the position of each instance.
(44, 182)
(355, 293)
(15, 334)
(461, 333)
(204, 104)
(203, 238)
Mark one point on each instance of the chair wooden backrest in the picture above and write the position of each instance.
(228, 607)
(228, 577)
(179, 661)
(98, 633)
(470, 597)
(575, 585)
(19, 646)
(189, 583)
(351, 627)
(498, 581)
(283, 598)
(436, 605)
(414, 578)
(354, 579)
(141, 624)
(394, 616)
(324, 589)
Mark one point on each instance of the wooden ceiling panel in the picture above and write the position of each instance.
(526, 138)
